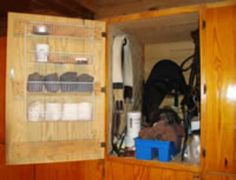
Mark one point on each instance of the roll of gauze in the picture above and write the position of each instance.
(53, 111)
(85, 111)
(70, 111)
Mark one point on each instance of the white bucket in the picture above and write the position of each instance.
(133, 127)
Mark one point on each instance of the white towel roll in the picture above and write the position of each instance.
(70, 112)
(53, 111)
(85, 111)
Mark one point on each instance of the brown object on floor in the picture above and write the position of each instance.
(162, 130)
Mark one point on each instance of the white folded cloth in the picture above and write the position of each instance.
(119, 75)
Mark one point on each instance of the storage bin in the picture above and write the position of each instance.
(52, 83)
(35, 86)
(149, 149)
(84, 87)
(69, 82)
(85, 83)
(35, 82)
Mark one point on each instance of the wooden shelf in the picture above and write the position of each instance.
(182, 166)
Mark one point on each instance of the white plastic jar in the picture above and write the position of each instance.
(133, 127)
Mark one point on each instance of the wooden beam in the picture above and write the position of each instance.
(89, 4)
(13, 5)
(143, 5)
(3, 26)
(65, 7)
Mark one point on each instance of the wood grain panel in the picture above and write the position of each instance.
(162, 29)
(220, 177)
(219, 59)
(2, 87)
(85, 170)
(124, 171)
(23, 172)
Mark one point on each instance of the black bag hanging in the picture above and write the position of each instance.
(165, 77)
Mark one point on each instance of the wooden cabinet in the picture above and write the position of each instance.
(218, 39)
(70, 171)
(218, 132)
(219, 101)
(115, 170)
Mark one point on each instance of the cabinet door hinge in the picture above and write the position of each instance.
(203, 24)
(104, 34)
(102, 144)
(196, 176)
(204, 89)
(203, 152)
(103, 89)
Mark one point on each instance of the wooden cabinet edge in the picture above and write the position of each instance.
(156, 164)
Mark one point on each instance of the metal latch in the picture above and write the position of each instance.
(203, 152)
(203, 24)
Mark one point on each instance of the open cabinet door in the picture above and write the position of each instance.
(219, 62)
(54, 104)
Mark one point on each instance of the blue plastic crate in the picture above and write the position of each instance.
(149, 149)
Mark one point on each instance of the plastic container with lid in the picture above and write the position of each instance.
(133, 127)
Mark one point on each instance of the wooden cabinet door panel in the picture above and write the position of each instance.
(68, 40)
(220, 177)
(124, 171)
(84, 170)
(219, 62)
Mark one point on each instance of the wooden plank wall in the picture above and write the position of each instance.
(126, 171)
(86, 170)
